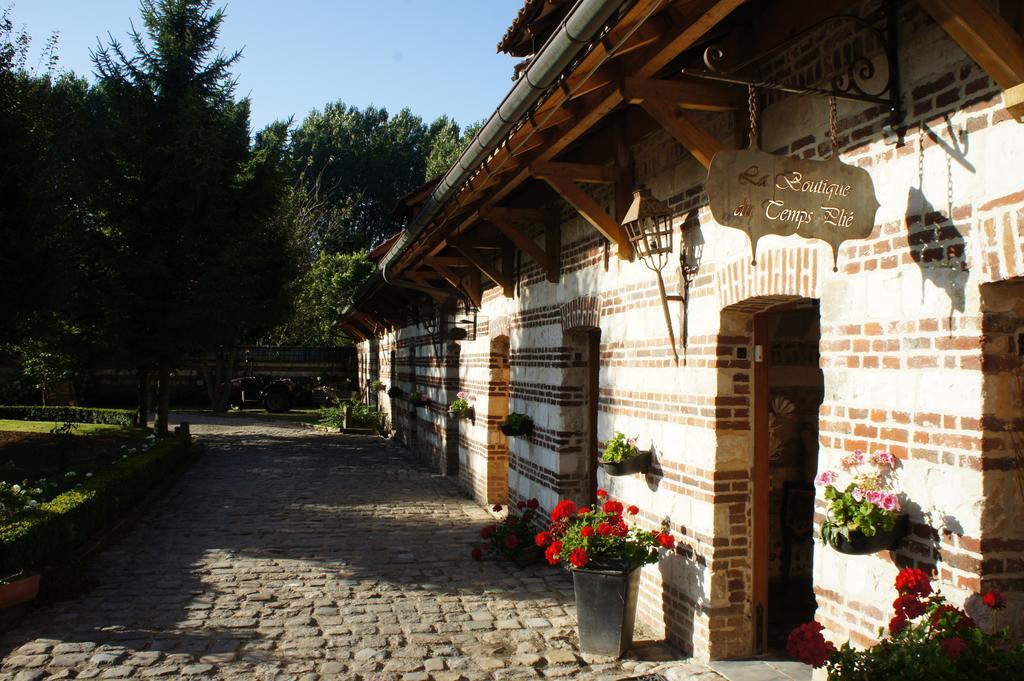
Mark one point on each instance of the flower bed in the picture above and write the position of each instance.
(49, 531)
(114, 417)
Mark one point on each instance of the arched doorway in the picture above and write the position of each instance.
(775, 340)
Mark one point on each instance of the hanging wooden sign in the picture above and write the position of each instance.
(764, 193)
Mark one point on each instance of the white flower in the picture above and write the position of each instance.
(88, 475)
(33, 503)
(16, 489)
(69, 474)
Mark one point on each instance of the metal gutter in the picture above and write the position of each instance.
(584, 20)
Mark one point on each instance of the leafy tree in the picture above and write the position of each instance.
(187, 203)
(447, 143)
(325, 291)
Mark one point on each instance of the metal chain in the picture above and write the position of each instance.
(752, 107)
(833, 126)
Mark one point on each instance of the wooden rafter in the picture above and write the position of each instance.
(697, 96)
(528, 245)
(593, 213)
(437, 294)
(473, 286)
(353, 330)
(576, 172)
(676, 122)
(989, 40)
(502, 279)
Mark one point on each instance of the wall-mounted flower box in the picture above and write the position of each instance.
(516, 425)
(859, 544)
(622, 456)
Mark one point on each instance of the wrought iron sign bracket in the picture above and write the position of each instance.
(852, 83)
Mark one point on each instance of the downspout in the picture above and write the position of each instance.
(577, 29)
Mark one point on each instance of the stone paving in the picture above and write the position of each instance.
(285, 553)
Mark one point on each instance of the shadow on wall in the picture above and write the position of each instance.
(936, 244)
(682, 577)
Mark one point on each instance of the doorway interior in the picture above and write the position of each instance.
(788, 392)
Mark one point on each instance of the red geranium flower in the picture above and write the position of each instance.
(578, 557)
(913, 581)
(961, 621)
(953, 647)
(587, 531)
(666, 540)
(619, 529)
(612, 506)
(898, 623)
(584, 509)
(496, 508)
(601, 494)
(908, 605)
(511, 541)
(995, 600)
(477, 554)
(553, 551)
(564, 510)
(543, 539)
(533, 503)
(632, 510)
(604, 529)
(487, 531)
(520, 504)
(805, 643)
(528, 515)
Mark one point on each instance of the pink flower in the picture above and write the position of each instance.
(826, 478)
(883, 459)
(852, 460)
(891, 502)
(631, 442)
(858, 494)
(875, 497)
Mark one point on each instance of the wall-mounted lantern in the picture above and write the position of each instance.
(648, 224)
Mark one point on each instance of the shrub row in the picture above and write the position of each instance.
(114, 417)
(52, 533)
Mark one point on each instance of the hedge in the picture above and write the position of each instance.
(114, 417)
(53, 532)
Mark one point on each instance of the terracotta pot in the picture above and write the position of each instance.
(860, 545)
(20, 588)
(640, 463)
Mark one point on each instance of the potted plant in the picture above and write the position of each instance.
(418, 399)
(622, 456)
(463, 405)
(21, 587)
(927, 639)
(377, 386)
(604, 555)
(512, 537)
(516, 424)
(864, 516)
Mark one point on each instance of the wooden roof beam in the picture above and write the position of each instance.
(989, 40)
(575, 172)
(592, 212)
(694, 138)
(697, 96)
(502, 279)
(548, 261)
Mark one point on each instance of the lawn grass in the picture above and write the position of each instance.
(298, 415)
(45, 427)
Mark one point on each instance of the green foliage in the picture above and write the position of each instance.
(447, 143)
(517, 420)
(115, 417)
(376, 386)
(619, 448)
(462, 403)
(847, 514)
(512, 536)
(324, 292)
(51, 532)
(359, 416)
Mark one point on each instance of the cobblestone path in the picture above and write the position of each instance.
(285, 553)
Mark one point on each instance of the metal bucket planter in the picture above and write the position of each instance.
(606, 609)
(17, 589)
(860, 544)
(640, 463)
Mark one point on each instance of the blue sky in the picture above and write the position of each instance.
(434, 56)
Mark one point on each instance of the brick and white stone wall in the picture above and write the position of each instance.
(919, 353)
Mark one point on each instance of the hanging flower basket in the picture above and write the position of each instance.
(516, 424)
(468, 413)
(640, 463)
(859, 544)
(418, 400)
(463, 406)
(394, 391)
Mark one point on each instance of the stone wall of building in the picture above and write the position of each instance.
(915, 360)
